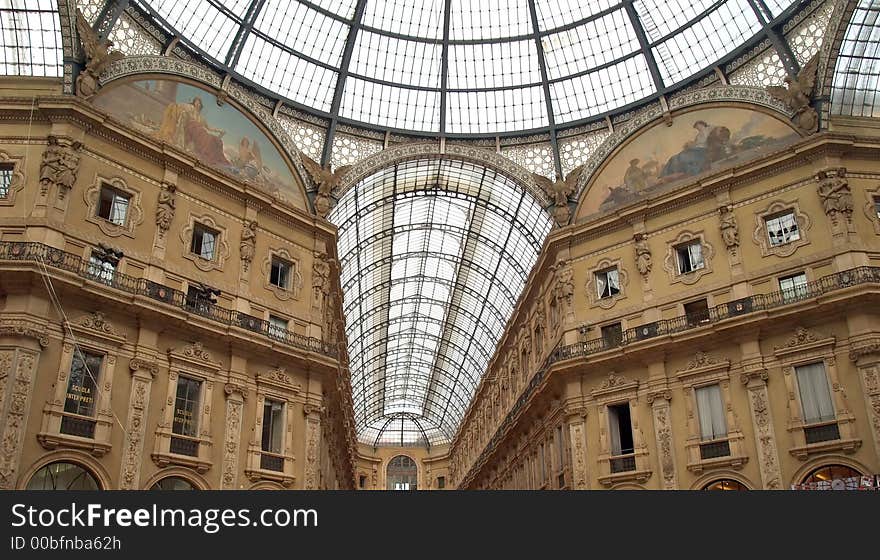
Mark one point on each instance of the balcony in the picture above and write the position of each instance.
(39, 253)
(821, 432)
(623, 463)
(79, 427)
(714, 449)
(271, 462)
(184, 446)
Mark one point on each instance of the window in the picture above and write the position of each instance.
(204, 242)
(829, 473)
(612, 335)
(113, 205)
(815, 395)
(186, 407)
(607, 283)
(102, 268)
(402, 473)
(782, 229)
(362, 481)
(621, 429)
(173, 483)
(543, 463)
(201, 298)
(277, 326)
(560, 448)
(273, 425)
(713, 424)
(793, 287)
(876, 204)
(279, 275)
(63, 476)
(725, 484)
(81, 386)
(6, 170)
(697, 312)
(690, 257)
(441, 482)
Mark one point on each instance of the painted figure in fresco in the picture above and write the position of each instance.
(184, 126)
(709, 145)
(248, 160)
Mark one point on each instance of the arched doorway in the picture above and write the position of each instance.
(402, 473)
(173, 483)
(62, 475)
(833, 476)
(725, 484)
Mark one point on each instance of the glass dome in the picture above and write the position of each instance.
(466, 66)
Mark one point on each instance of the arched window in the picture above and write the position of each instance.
(402, 473)
(725, 484)
(831, 472)
(173, 483)
(63, 476)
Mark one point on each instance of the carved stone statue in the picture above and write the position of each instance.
(729, 228)
(564, 288)
(797, 95)
(644, 262)
(248, 244)
(325, 181)
(98, 57)
(835, 194)
(321, 268)
(559, 191)
(165, 206)
(59, 166)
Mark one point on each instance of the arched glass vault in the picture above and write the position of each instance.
(434, 255)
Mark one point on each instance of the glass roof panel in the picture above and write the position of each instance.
(856, 84)
(303, 30)
(395, 60)
(478, 19)
(422, 332)
(553, 14)
(30, 38)
(203, 22)
(499, 110)
(416, 18)
(493, 65)
(603, 90)
(389, 106)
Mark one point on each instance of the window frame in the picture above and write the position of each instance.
(116, 195)
(285, 266)
(201, 229)
(686, 249)
(797, 291)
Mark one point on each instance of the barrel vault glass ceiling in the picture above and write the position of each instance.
(434, 255)
(466, 66)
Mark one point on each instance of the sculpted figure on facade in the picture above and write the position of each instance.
(559, 191)
(321, 267)
(59, 166)
(644, 262)
(729, 228)
(325, 182)
(98, 57)
(796, 95)
(248, 243)
(564, 288)
(165, 206)
(835, 194)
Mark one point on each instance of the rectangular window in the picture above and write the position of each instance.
(277, 326)
(279, 275)
(543, 463)
(204, 242)
(362, 481)
(621, 429)
(186, 407)
(697, 312)
(877, 206)
(782, 229)
(690, 257)
(273, 425)
(101, 268)
(113, 205)
(713, 424)
(607, 283)
(814, 392)
(81, 386)
(6, 171)
(793, 287)
(560, 449)
(612, 335)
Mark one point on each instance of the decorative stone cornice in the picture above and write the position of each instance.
(615, 383)
(865, 348)
(194, 355)
(802, 339)
(279, 378)
(95, 321)
(25, 327)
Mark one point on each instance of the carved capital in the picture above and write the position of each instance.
(139, 364)
(235, 388)
(660, 394)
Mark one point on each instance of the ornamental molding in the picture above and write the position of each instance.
(279, 378)
(194, 355)
(721, 94)
(140, 364)
(703, 367)
(614, 384)
(863, 348)
(27, 328)
(803, 339)
(484, 157)
(96, 324)
(136, 65)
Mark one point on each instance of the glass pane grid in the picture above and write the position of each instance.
(30, 38)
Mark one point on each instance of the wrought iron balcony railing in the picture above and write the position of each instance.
(58, 259)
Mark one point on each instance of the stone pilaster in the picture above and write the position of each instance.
(313, 442)
(867, 359)
(755, 381)
(577, 430)
(143, 370)
(235, 397)
(18, 366)
(659, 401)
